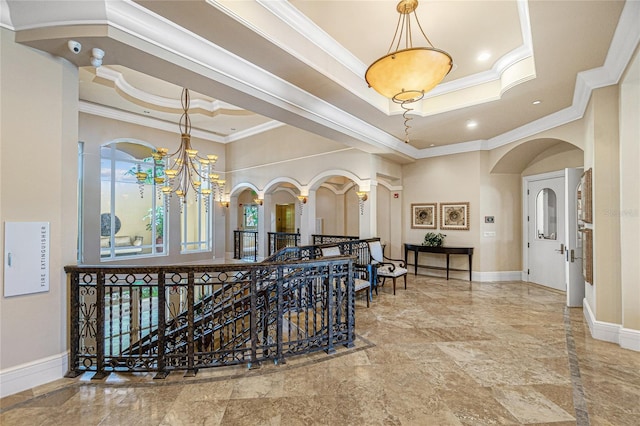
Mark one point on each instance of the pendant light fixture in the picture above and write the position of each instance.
(406, 72)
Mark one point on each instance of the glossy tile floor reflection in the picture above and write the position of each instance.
(440, 353)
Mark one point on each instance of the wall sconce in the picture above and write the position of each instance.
(258, 201)
(362, 197)
(303, 201)
(224, 204)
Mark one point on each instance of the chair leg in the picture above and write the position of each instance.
(405, 281)
(394, 286)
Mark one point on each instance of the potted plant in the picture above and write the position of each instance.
(156, 217)
(433, 240)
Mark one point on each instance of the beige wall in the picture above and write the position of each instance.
(589, 290)
(327, 209)
(39, 126)
(629, 211)
(500, 197)
(606, 196)
(300, 154)
(385, 218)
(555, 158)
(451, 178)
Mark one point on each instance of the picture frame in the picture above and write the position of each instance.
(587, 255)
(424, 215)
(586, 211)
(454, 216)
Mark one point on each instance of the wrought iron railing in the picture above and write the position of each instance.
(245, 245)
(189, 317)
(359, 249)
(348, 247)
(280, 240)
(325, 239)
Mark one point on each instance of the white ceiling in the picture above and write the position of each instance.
(256, 65)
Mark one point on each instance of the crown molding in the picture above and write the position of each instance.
(153, 33)
(623, 46)
(308, 30)
(153, 123)
(160, 102)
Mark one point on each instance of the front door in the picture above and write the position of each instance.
(573, 255)
(546, 232)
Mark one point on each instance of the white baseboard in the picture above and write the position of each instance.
(630, 339)
(496, 276)
(480, 276)
(625, 337)
(26, 376)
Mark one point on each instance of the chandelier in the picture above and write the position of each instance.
(405, 74)
(185, 169)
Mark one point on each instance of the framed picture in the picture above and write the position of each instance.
(587, 255)
(586, 210)
(424, 215)
(454, 216)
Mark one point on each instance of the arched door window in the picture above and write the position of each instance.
(546, 215)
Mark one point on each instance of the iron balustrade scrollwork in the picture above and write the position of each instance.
(166, 318)
(326, 239)
(280, 240)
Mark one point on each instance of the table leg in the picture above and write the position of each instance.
(447, 266)
(470, 262)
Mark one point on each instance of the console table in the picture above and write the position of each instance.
(419, 248)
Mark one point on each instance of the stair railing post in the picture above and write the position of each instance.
(162, 327)
(253, 317)
(280, 312)
(330, 295)
(74, 330)
(100, 373)
(191, 370)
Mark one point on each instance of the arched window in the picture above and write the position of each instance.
(132, 215)
(546, 215)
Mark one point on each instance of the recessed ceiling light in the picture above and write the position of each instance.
(472, 124)
(433, 144)
(537, 102)
(483, 56)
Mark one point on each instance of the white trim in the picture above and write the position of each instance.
(609, 332)
(26, 376)
(630, 339)
(477, 276)
(621, 49)
(491, 276)
(352, 67)
(600, 330)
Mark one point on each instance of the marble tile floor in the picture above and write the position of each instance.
(439, 353)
